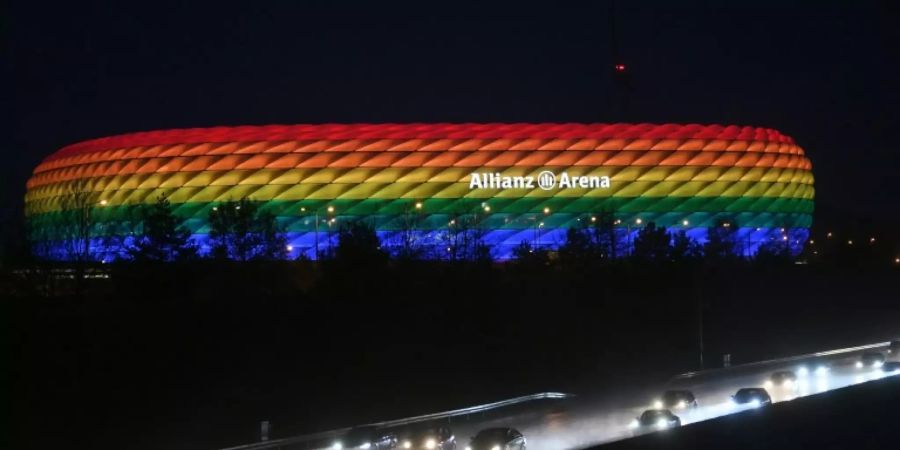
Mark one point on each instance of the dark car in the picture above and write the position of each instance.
(676, 399)
(782, 379)
(366, 438)
(653, 420)
(891, 367)
(428, 438)
(497, 439)
(894, 347)
(751, 397)
(870, 360)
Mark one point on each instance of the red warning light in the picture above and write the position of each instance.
(620, 67)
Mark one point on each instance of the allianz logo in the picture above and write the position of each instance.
(545, 180)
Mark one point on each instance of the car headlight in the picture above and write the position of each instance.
(662, 423)
(337, 446)
(365, 446)
(634, 424)
(657, 404)
(767, 384)
(859, 364)
(755, 403)
(407, 444)
(681, 404)
(822, 370)
(430, 443)
(803, 371)
(878, 364)
(468, 447)
(788, 383)
(496, 447)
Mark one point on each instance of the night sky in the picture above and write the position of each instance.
(827, 76)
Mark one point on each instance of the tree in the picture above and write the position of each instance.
(721, 241)
(465, 238)
(578, 247)
(773, 251)
(529, 258)
(161, 236)
(410, 242)
(76, 223)
(358, 245)
(604, 236)
(684, 248)
(242, 231)
(652, 243)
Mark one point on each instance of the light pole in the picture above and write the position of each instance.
(330, 210)
(637, 221)
(538, 232)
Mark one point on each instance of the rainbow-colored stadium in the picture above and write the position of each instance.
(679, 176)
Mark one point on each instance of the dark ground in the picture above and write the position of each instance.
(197, 357)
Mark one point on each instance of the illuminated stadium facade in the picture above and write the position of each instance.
(416, 180)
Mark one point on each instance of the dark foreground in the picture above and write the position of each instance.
(195, 356)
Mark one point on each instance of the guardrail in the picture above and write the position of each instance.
(278, 443)
(788, 359)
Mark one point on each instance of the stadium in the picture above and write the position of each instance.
(415, 182)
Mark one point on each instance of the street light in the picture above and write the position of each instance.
(685, 222)
(330, 210)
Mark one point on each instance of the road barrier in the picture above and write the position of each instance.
(788, 359)
(309, 438)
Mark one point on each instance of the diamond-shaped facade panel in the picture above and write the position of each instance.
(679, 176)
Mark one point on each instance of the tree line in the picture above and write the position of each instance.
(244, 231)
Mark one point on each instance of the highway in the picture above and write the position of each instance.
(584, 420)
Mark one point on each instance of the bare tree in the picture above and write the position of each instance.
(410, 235)
(77, 221)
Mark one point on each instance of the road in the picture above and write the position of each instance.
(591, 419)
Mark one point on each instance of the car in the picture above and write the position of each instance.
(891, 367)
(676, 399)
(366, 438)
(870, 360)
(782, 379)
(497, 439)
(894, 347)
(654, 420)
(754, 397)
(818, 367)
(428, 438)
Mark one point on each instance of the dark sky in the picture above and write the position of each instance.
(826, 75)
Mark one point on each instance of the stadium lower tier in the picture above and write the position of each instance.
(433, 234)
